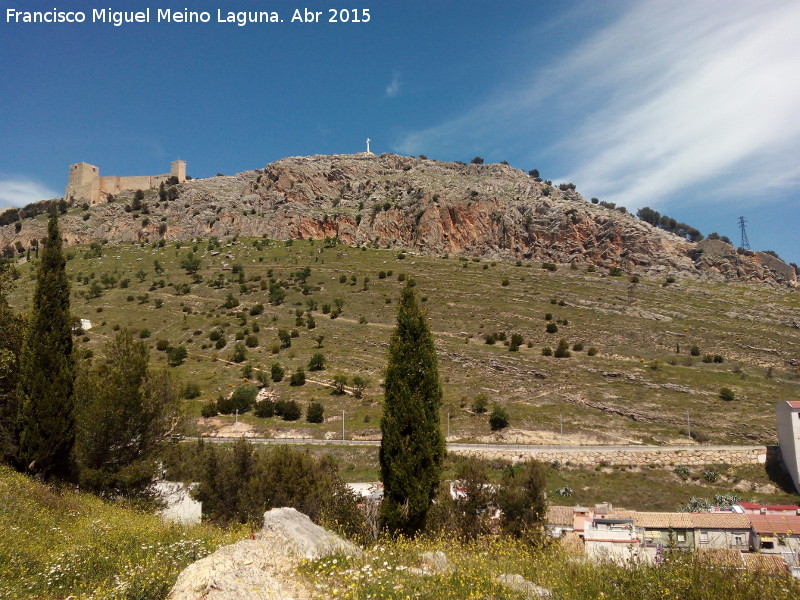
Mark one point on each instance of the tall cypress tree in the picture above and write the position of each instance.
(11, 331)
(412, 446)
(47, 369)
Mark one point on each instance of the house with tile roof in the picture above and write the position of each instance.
(753, 508)
(777, 534)
(787, 415)
(699, 531)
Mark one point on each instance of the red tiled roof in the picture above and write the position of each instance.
(776, 507)
(560, 515)
(775, 524)
(651, 520)
(771, 564)
(793, 403)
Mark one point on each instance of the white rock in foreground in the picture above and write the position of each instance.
(262, 568)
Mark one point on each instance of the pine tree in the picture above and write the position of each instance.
(412, 447)
(47, 369)
(11, 332)
(124, 412)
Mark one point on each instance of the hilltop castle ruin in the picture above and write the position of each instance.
(86, 185)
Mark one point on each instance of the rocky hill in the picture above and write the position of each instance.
(429, 207)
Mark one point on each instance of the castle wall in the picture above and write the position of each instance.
(86, 185)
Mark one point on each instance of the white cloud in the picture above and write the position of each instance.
(394, 86)
(668, 96)
(20, 191)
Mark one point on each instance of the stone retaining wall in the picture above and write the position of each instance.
(631, 456)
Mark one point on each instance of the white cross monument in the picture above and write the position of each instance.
(368, 141)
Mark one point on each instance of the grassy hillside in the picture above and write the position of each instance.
(394, 570)
(59, 544)
(639, 387)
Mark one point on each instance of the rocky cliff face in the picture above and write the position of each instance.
(425, 206)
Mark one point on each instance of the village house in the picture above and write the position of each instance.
(612, 539)
(777, 534)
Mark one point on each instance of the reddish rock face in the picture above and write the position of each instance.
(429, 207)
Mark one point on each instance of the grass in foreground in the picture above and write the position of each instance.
(390, 571)
(59, 544)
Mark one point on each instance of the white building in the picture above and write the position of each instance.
(788, 421)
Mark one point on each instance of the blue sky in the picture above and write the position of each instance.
(688, 106)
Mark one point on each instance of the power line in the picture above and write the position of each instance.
(745, 242)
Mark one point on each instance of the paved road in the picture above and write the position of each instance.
(476, 446)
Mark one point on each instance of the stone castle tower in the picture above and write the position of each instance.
(86, 185)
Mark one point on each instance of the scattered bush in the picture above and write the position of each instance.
(298, 378)
(499, 418)
(317, 362)
(547, 351)
(562, 350)
(592, 351)
(264, 409)
(208, 410)
(190, 390)
(289, 410)
(480, 403)
(551, 328)
(176, 355)
(277, 372)
(315, 412)
(239, 353)
(516, 342)
(727, 394)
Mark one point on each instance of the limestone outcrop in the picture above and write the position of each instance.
(263, 567)
(424, 206)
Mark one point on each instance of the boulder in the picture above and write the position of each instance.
(264, 567)
(298, 535)
(519, 584)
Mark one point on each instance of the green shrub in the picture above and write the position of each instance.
(243, 397)
(298, 378)
(191, 390)
(315, 412)
(239, 353)
(727, 394)
(317, 362)
(277, 372)
(562, 350)
(480, 403)
(592, 351)
(251, 341)
(289, 410)
(208, 410)
(264, 409)
(551, 328)
(547, 351)
(695, 350)
(176, 355)
(516, 342)
(499, 418)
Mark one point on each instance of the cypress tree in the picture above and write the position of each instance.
(47, 369)
(11, 331)
(412, 447)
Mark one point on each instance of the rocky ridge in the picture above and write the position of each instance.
(424, 206)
